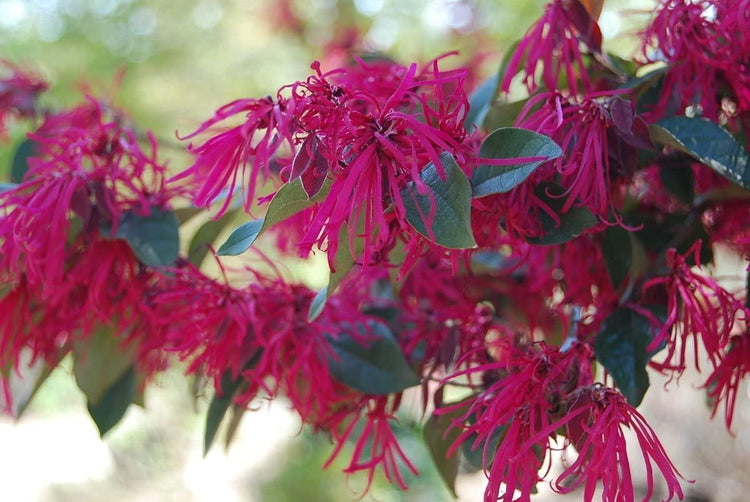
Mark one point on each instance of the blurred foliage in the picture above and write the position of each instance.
(182, 60)
(297, 473)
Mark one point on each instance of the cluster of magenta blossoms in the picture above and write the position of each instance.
(487, 251)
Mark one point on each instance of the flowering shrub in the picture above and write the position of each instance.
(488, 247)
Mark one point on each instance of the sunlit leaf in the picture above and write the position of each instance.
(708, 143)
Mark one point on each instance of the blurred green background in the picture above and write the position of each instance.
(182, 60)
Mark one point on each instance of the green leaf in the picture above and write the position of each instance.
(20, 164)
(618, 253)
(216, 411)
(708, 143)
(222, 401)
(621, 347)
(571, 224)
(377, 368)
(155, 238)
(438, 442)
(508, 143)
(288, 201)
(237, 412)
(99, 362)
(480, 101)
(346, 255)
(25, 380)
(503, 114)
(451, 201)
(475, 455)
(114, 403)
(318, 304)
(205, 236)
(680, 181)
(241, 238)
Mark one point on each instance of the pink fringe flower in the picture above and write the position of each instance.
(698, 307)
(596, 420)
(554, 44)
(724, 383)
(18, 94)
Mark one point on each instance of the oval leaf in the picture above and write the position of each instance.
(568, 225)
(114, 402)
(241, 238)
(450, 200)
(288, 201)
(378, 368)
(99, 362)
(618, 253)
(439, 442)
(707, 142)
(154, 238)
(509, 143)
(205, 236)
(621, 347)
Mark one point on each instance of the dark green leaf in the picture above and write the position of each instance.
(154, 238)
(241, 238)
(216, 411)
(570, 224)
(621, 347)
(20, 164)
(707, 142)
(450, 202)
(475, 455)
(618, 253)
(438, 442)
(114, 403)
(222, 401)
(480, 101)
(376, 368)
(318, 304)
(508, 143)
(679, 181)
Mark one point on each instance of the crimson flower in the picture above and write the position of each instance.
(18, 93)
(554, 44)
(597, 419)
(697, 307)
(705, 45)
(724, 383)
(598, 133)
(514, 417)
(376, 446)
